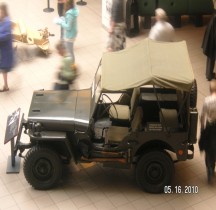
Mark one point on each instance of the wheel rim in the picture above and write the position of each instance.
(43, 169)
(154, 173)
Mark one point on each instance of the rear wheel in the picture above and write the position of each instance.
(154, 171)
(42, 168)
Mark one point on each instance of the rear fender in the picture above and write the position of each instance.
(153, 144)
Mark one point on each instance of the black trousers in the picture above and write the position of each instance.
(210, 67)
(210, 160)
(210, 147)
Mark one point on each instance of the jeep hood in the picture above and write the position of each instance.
(165, 64)
(61, 110)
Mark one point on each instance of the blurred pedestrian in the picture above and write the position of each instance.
(6, 47)
(117, 33)
(162, 30)
(69, 24)
(207, 140)
(209, 45)
(67, 72)
(60, 6)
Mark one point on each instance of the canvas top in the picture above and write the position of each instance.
(165, 64)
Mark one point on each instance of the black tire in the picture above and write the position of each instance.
(42, 168)
(193, 95)
(154, 171)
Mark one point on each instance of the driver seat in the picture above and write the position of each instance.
(116, 134)
(125, 112)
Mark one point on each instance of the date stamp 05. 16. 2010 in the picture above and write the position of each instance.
(188, 189)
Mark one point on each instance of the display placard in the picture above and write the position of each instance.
(12, 126)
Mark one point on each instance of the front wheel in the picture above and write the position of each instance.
(42, 168)
(154, 171)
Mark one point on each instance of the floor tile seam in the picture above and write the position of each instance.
(96, 200)
(86, 179)
(84, 193)
(132, 202)
(68, 198)
(34, 199)
(213, 191)
(5, 158)
(18, 105)
(31, 199)
(191, 205)
(107, 194)
(5, 174)
(18, 191)
(109, 198)
(5, 106)
(7, 192)
(200, 202)
(165, 202)
(104, 200)
(187, 204)
(8, 196)
(20, 204)
(28, 101)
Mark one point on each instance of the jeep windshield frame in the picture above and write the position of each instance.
(96, 89)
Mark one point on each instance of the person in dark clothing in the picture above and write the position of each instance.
(6, 47)
(117, 35)
(209, 47)
(60, 6)
(207, 140)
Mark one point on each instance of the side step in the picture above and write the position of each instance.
(104, 160)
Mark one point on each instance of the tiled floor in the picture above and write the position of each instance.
(93, 187)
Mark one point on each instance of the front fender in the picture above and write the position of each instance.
(59, 141)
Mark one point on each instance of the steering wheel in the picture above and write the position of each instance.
(107, 108)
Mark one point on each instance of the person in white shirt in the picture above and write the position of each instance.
(207, 140)
(162, 30)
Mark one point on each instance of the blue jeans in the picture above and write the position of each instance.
(69, 46)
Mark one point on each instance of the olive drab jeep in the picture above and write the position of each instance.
(140, 112)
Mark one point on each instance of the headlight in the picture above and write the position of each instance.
(36, 128)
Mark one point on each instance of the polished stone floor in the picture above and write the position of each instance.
(91, 187)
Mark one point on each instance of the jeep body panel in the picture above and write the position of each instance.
(82, 112)
(173, 141)
(56, 109)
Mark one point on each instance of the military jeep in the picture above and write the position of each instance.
(140, 112)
